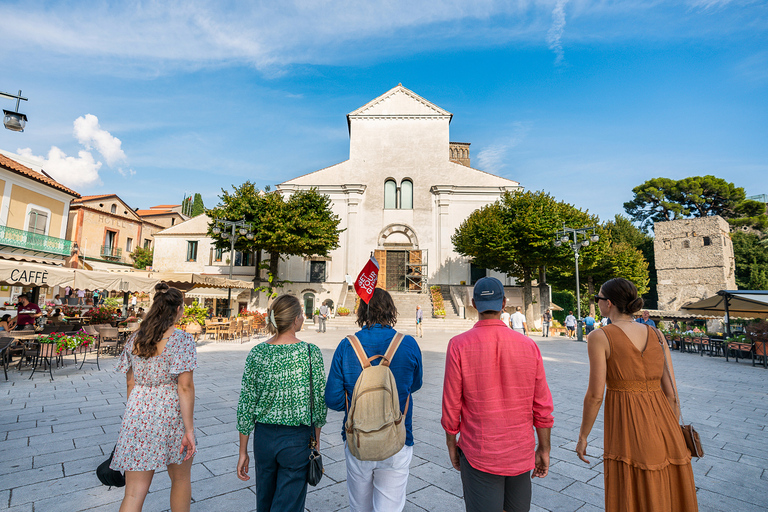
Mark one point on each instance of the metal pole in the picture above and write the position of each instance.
(727, 317)
(579, 334)
(231, 264)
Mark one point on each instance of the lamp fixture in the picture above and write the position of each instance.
(13, 119)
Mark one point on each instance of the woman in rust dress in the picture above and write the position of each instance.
(646, 463)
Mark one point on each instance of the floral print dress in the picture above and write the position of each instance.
(152, 428)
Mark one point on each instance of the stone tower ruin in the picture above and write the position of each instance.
(694, 260)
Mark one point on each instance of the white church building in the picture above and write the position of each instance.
(401, 195)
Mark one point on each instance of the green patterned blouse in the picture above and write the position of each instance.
(275, 386)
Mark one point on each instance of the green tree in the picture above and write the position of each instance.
(198, 207)
(514, 236)
(142, 258)
(662, 199)
(302, 225)
(751, 256)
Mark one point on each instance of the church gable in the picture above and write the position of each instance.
(399, 102)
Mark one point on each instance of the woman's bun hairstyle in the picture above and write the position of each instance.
(623, 294)
(282, 313)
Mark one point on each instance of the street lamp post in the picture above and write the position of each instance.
(241, 227)
(577, 238)
(13, 119)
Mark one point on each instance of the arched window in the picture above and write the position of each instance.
(113, 209)
(390, 194)
(406, 195)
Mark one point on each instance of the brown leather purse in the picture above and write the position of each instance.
(692, 439)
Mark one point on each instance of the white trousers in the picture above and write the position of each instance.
(378, 486)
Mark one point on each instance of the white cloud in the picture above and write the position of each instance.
(74, 172)
(89, 134)
(82, 171)
(555, 33)
(493, 158)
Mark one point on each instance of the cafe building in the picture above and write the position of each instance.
(33, 226)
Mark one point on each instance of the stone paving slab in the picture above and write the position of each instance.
(54, 433)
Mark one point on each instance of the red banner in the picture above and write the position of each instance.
(366, 281)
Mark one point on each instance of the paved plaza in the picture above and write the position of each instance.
(54, 434)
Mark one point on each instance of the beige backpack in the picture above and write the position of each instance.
(375, 427)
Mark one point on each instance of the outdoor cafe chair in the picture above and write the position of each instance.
(211, 329)
(230, 331)
(5, 345)
(760, 350)
(109, 339)
(696, 344)
(738, 348)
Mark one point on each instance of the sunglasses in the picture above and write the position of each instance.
(599, 297)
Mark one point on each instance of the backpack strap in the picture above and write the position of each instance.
(393, 346)
(359, 351)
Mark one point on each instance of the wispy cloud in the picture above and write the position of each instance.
(555, 33)
(494, 158)
(82, 171)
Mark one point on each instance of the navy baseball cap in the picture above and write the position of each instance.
(488, 295)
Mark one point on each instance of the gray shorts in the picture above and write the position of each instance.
(486, 492)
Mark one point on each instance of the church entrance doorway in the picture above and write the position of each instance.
(396, 270)
(309, 305)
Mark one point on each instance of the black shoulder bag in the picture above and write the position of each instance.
(109, 476)
(316, 470)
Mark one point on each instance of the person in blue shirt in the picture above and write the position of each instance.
(589, 323)
(646, 319)
(376, 485)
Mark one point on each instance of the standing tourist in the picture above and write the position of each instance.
(27, 314)
(647, 465)
(589, 323)
(646, 319)
(546, 321)
(158, 424)
(494, 394)
(322, 317)
(505, 316)
(80, 297)
(570, 324)
(518, 321)
(419, 320)
(281, 400)
(376, 485)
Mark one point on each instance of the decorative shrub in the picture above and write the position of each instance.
(194, 313)
(438, 306)
(67, 342)
(102, 315)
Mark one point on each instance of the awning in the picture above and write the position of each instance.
(113, 281)
(213, 293)
(188, 280)
(736, 303)
(15, 273)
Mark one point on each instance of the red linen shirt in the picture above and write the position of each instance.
(494, 394)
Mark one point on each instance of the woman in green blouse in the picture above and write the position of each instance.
(275, 405)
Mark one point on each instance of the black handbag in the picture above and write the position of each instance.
(315, 470)
(108, 476)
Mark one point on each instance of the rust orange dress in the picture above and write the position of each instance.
(647, 465)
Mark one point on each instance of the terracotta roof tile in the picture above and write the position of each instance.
(14, 166)
(91, 198)
(164, 206)
(142, 213)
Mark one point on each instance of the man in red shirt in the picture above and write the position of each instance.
(27, 312)
(495, 393)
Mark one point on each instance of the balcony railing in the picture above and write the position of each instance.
(34, 242)
(112, 253)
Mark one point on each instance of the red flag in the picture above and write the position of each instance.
(366, 281)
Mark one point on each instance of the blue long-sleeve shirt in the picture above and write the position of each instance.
(345, 368)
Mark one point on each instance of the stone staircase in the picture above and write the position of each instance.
(406, 308)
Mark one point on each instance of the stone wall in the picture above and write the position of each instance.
(694, 260)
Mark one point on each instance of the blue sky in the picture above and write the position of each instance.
(583, 99)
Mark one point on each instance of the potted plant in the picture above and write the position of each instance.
(102, 315)
(194, 318)
(342, 311)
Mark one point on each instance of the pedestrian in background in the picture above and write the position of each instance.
(518, 321)
(570, 324)
(419, 320)
(647, 466)
(158, 425)
(377, 486)
(275, 404)
(546, 321)
(645, 318)
(495, 394)
(505, 317)
(322, 317)
(589, 323)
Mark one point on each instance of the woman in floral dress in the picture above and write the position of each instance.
(157, 429)
(275, 405)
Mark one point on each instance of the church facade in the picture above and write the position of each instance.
(401, 195)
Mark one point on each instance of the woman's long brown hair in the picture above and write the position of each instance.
(161, 317)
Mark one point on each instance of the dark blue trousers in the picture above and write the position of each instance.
(281, 455)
